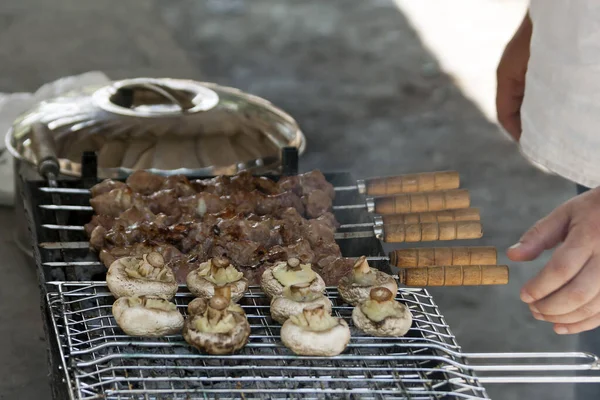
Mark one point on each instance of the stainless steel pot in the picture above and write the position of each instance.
(167, 126)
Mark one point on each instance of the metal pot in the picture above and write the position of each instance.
(166, 126)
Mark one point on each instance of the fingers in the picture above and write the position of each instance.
(584, 312)
(566, 262)
(544, 235)
(586, 325)
(576, 293)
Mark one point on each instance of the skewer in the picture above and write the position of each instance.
(410, 183)
(455, 275)
(399, 204)
(452, 230)
(414, 202)
(467, 214)
(432, 256)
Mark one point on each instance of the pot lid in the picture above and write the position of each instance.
(163, 125)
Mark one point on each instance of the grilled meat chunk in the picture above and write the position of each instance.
(144, 182)
(317, 203)
(116, 201)
(106, 186)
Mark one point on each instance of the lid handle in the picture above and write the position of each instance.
(145, 97)
(43, 146)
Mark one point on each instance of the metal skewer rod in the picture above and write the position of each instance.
(426, 232)
(380, 186)
(466, 214)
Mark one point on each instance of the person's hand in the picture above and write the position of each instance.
(511, 79)
(566, 292)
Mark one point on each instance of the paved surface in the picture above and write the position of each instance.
(369, 96)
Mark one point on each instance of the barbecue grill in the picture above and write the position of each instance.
(91, 358)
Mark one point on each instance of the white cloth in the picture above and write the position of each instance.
(561, 108)
(14, 104)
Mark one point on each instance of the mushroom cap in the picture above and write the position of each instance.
(199, 305)
(282, 307)
(121, 284)
(305, 342)
(353, 293)
(273, 288)
(139, 320)
(203, 288)
(390, 326)
(218, 343)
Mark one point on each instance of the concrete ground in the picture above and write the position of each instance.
(369, 95)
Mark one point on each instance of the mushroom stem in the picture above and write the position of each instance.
(217, 307)
(155, 259)
(223, 291)
(220, 262)
(294, 264)
(314, 312)
(300, 292)
(361, 266)
(380, 294)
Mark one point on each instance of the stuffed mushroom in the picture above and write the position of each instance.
(216, 272)
(217, 330)
(135, 276)
(150, 316)
(199, 305)
(314, 332)
(295, 299)
(355, 287)
(289, 273)
(381, 315)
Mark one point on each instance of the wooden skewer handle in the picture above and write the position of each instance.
(455, 275)
(466, 214)
(431, 256)
(421, 202)
(411, 183)
(432, 231)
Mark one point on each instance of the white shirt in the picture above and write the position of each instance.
(561, 108)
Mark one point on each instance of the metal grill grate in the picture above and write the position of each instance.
(103, 362)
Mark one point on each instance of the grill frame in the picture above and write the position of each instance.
(58, 269)
(431, 356)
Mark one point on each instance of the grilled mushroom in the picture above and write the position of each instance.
(381, 315)
(217, 271)
(217, 330)
(295, 299)
(314, 332)
(147, 316)
(134, 276)
(289, 273)
(355, 287)
(199, 305)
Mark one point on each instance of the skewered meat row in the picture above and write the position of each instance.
(137, 225)
(247, 242)
(166, 201)
(146, 183)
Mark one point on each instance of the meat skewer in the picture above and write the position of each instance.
(425, 232)
(466, 214)
(455, 275)
(410, 183)
(414, 202)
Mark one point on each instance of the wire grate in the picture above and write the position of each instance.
(103, 362)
